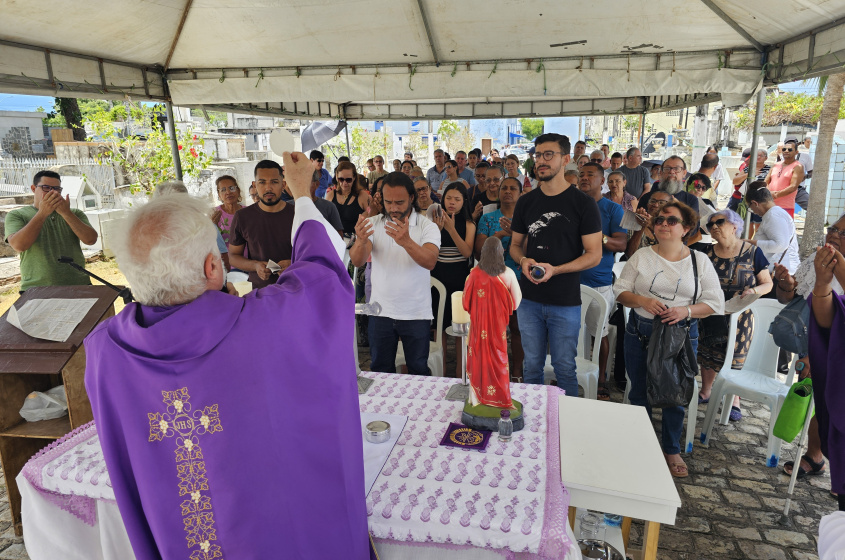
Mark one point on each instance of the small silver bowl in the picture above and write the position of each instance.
(377, 431)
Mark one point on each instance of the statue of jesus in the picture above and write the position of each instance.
(491, 294)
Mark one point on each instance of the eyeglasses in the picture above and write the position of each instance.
(700, 187)
(720, 222)
(345, 179)
(657, 202)
(48, 188)
(545, 155)
(317, 160)
(661, 296)
(835, 231)
(230, 188)
(494, 179)
(670, 220)
(789, 149)
(672, 169)
(378, 161)
(422, 189)
(596, 160)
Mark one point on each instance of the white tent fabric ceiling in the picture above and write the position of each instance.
(390, 59)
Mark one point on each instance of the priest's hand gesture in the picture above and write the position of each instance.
(298, 174)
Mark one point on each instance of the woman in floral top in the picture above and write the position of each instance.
(229, 194)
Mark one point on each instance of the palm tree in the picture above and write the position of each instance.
(832, 86)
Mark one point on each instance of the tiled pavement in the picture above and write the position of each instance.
(732, 502)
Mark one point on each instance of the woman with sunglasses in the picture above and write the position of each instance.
(743, 270)
(349, 196)
(659, 284)
(785, 177)
(697, 185)
(229, 194)
(645, 236)
(457, 237)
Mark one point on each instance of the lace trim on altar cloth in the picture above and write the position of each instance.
(554, 542)
(83, 507)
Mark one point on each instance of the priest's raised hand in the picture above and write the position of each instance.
(194, 409)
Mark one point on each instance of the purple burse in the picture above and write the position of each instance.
(458, 435)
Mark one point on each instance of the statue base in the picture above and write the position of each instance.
(483, 417)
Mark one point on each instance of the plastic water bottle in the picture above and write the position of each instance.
(372, 308)
(505, 425)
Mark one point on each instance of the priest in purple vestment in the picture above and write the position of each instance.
(827, 354)
(230, 426)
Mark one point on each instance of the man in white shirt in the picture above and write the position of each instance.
(404, 246)
(437, 174)
(776, 234)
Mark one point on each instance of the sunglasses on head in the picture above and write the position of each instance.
(670, 220)
(720, 222)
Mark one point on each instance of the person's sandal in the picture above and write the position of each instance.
(816, 469)
(678, 468)
(735, 415)
(603, 394)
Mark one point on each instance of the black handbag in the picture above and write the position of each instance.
(671, 364)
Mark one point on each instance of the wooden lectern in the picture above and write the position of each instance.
(31, 364)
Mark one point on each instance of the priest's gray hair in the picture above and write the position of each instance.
(174, 186)
(492, 259)
(161, 249)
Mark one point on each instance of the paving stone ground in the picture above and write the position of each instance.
(731, 502)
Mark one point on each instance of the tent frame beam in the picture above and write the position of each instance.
(733, 24)
(428, 32)
(178, 33)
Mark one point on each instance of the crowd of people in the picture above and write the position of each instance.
(559, 218)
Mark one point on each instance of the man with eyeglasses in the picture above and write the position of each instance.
(47, 230)
(637, 177)
(776, 234)
(561, 231)
(785, 177)
(379, 171)
(672, 178)
(317, 159)
(597, 156)
(263, 229)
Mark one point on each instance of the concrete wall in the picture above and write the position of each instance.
(18, 130)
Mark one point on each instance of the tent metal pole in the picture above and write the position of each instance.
(752, 157)
(348, 151)
(642, 130)
(174, 141)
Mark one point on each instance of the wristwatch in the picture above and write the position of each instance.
(604, 240)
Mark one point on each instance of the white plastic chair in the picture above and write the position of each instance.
(435, 349)
(756, 381)
(692, 408)
(587, 369)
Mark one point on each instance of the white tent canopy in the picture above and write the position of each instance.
(397, 59)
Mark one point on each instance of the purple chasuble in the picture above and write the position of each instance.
(230, 426)
(827, 354)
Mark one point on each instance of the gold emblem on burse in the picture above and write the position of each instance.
(466, 436)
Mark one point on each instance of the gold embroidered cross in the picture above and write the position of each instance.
(178, 421)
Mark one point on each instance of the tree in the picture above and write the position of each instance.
(147, 160)
(364, 145)
(455, 137)
(69, 108)
(831, 112)
(785, 107)
(531, 128)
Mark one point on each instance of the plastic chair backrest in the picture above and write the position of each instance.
(588, 295)
(763, 353)
(441, 307)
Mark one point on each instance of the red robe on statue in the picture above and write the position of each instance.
(490, 304)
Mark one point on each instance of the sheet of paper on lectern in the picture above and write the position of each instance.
(50, 319)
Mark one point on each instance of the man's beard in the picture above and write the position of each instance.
(403, 216)
(271, 203)
(671, 186)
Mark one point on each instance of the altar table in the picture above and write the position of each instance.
(428, 502)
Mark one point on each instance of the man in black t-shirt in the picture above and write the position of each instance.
(561, 230)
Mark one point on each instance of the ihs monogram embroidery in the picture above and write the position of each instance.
(186, 426)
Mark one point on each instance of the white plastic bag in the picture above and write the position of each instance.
(45, 406)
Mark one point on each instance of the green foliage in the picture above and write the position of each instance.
(785, 107)
(630, 122)
(148, 161)
(531, 128)
(217, 118)
(455, 137)
(364, 145)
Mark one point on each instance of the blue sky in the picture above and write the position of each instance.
(12, 102)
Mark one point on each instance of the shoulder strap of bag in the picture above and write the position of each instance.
(788, 245)
(694, 275)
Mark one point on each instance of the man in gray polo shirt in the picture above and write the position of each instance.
(637, 177)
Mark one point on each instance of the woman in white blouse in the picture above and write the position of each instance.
(658, 283)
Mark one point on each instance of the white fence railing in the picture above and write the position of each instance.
(16, 175)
